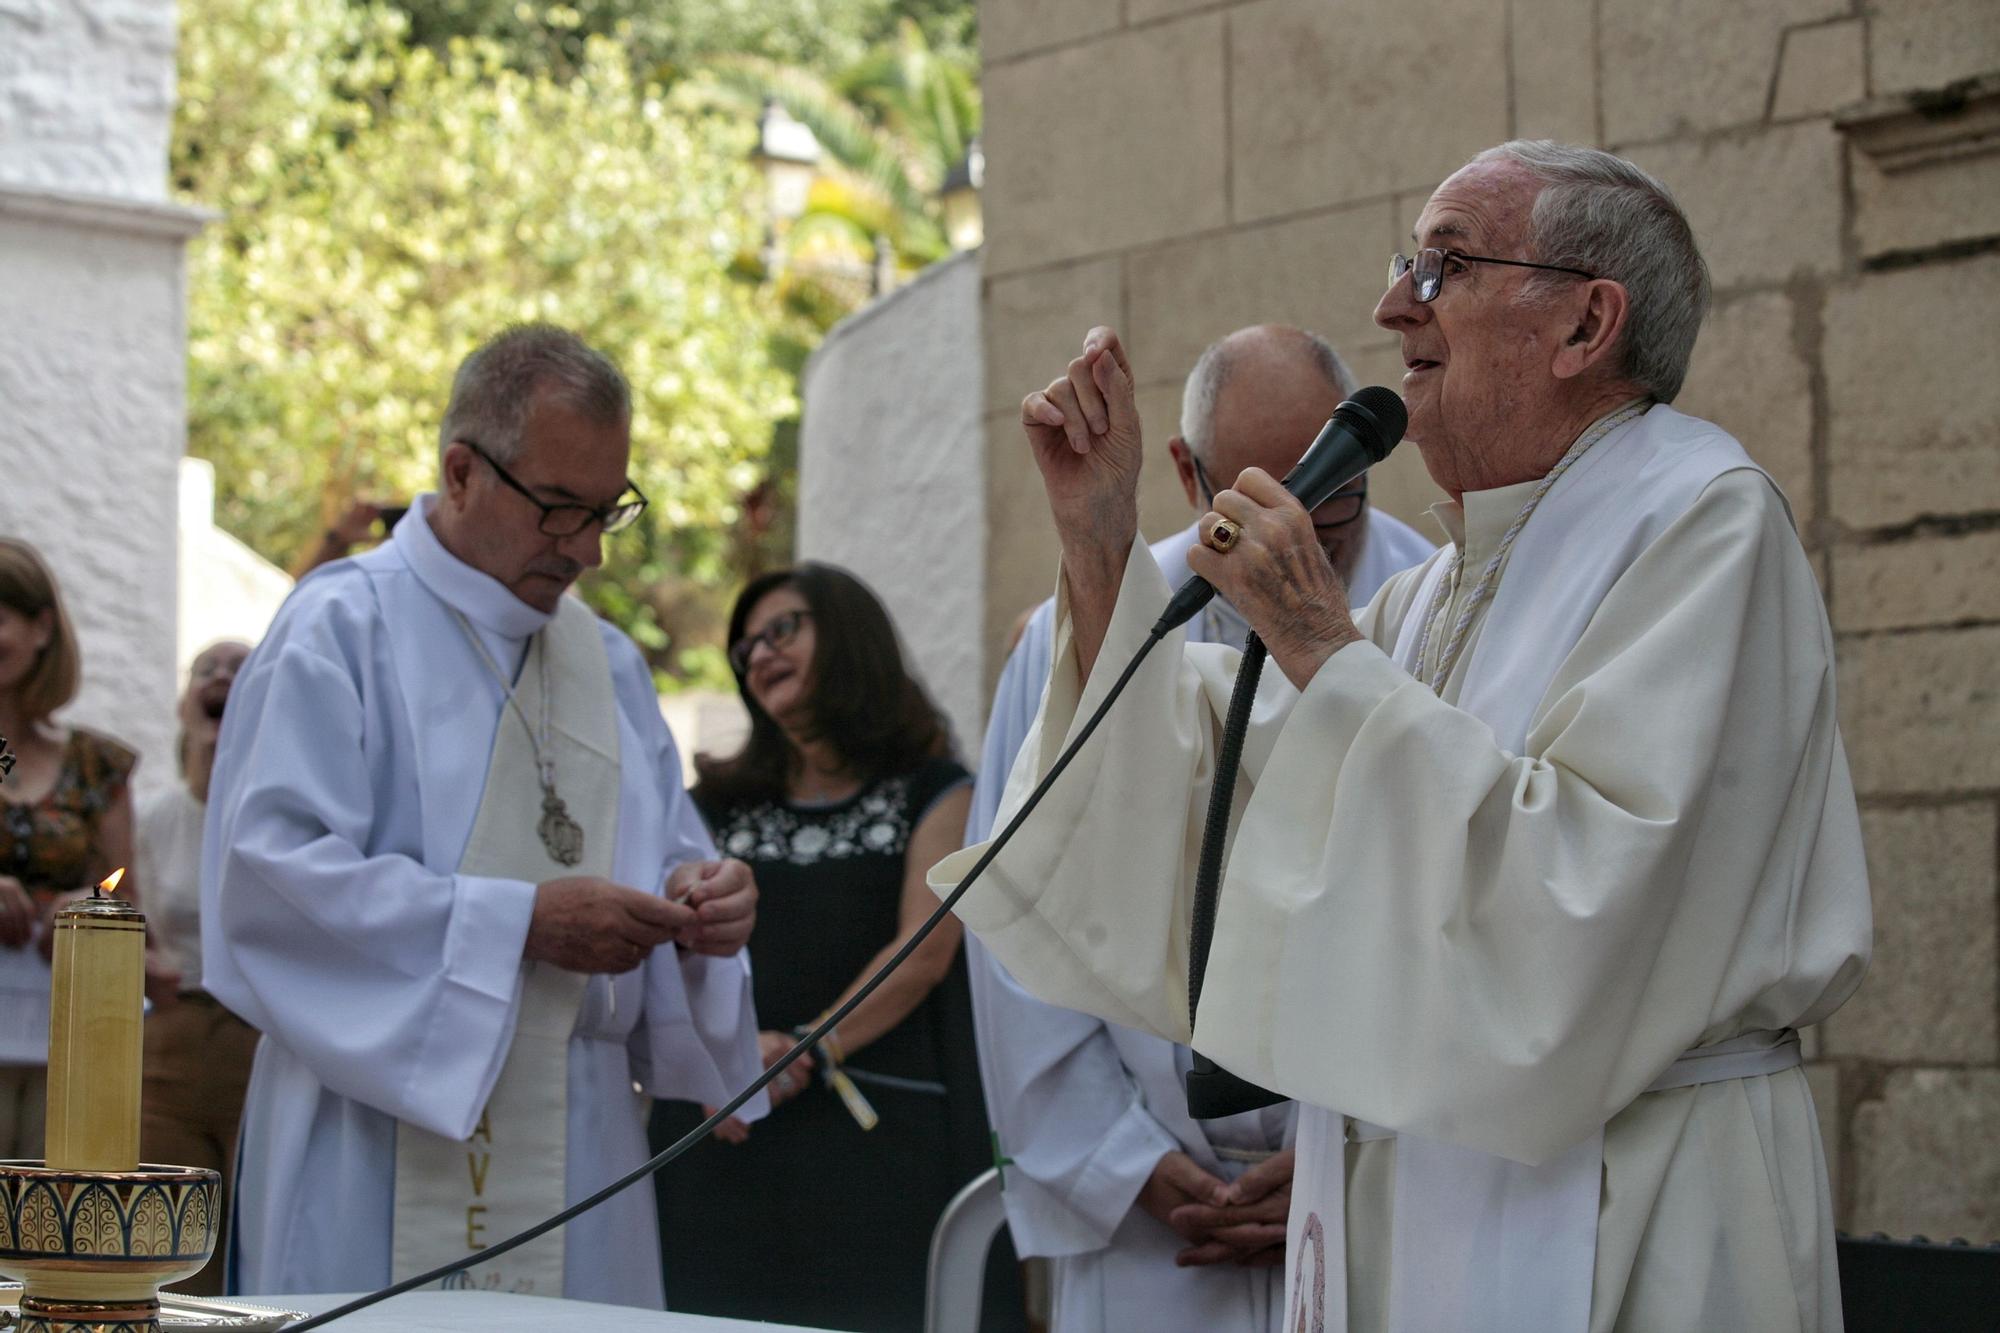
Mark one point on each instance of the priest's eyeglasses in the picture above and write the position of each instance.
(782, 629)
(1431, 264)
(566, 520)
(1341, 508)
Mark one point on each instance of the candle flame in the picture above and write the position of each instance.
(109, 884)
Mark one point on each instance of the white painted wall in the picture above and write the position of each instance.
(892, 475)
(87, 95)
(93, 341)
(227, 590)
(705, 722)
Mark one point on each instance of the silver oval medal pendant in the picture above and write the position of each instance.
(560, 834)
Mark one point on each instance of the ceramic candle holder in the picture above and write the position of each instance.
(93, 1248)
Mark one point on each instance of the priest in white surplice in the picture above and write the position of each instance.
(1540, 859)
(1103, 1155)
(451, 874)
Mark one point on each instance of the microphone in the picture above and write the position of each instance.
(1359, 435)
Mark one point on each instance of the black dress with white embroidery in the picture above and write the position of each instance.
(814, 1221)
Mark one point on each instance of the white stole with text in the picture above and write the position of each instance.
(454, 1198)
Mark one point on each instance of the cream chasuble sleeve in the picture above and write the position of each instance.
(1422, 930)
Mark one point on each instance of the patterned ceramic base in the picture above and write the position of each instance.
(179, 1313)
(94, 1247)
(88, 1317)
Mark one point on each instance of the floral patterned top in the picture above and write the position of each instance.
(50, 845)
(830, 890)
(876, 821)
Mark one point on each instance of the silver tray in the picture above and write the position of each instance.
(181, 1312)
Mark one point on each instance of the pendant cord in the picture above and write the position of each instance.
(828, 1023)
(545, 767)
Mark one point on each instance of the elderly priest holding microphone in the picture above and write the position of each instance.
(451, 874)
(1539, 860)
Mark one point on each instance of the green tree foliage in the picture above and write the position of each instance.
(892, 125)
(386, 206)
(666, 38)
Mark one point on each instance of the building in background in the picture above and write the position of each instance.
(93, 341)
(227, 590)
(892, 478)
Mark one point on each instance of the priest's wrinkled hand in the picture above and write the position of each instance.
(586, 924)
(1084, 432)
(723, 895)
(17, 913)
(1276, 575)
(1249, 1227)
(1178, 1182)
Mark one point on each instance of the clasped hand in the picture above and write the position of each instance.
(1241, 1222)
(586, 924)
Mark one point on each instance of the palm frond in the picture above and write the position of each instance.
(847, 136)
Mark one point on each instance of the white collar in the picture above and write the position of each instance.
(480, 598)
(1476, 522)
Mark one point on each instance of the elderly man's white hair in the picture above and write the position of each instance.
(1601, 214)
(495, 386)
(1221, 358)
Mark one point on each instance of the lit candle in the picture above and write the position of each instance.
(95, 1033)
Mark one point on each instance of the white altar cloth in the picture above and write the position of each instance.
(497, 1312)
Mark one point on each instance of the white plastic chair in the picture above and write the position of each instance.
(959, 1247)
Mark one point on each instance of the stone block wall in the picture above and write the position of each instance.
(92, 341)
(1178, 168)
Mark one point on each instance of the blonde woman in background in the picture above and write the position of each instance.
(65, 822)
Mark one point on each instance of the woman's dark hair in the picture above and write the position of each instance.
(865, 703)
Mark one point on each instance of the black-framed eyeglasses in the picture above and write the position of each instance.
(1431, 265)
(780, 630)
(1341, 508)
(566, 520)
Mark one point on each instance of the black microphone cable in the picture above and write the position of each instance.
(832, 1020)
(1212, 1091)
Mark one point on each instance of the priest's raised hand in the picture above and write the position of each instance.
(586, 924)
(1084, 432)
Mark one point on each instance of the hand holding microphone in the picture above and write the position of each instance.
(1272, 569)
(1083, 431)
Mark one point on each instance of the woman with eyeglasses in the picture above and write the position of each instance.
(844, 793)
